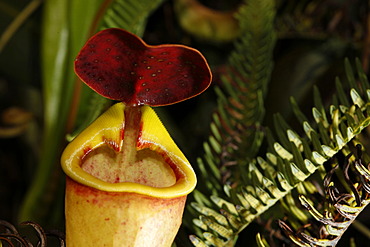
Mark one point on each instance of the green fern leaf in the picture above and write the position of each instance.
(294, 158)
(346, 207)
(236, 124)
(130, 15)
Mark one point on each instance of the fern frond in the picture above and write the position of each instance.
(294, 158)
(311, 18)
(347, 207)
(261, 242)
(236, 127)
(246, 80)
(236, 131)
(131, 15)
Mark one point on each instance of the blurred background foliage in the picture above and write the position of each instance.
(43, 105)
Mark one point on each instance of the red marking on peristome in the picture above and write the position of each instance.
(178, 173)
(105, 199)
(122, 133)
(112, 144)
(140, 133)
(86, 151)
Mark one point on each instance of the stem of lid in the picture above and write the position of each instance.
(131, 134)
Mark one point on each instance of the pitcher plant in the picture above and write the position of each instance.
(127, 181)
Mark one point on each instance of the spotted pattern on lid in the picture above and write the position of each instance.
(120, 66)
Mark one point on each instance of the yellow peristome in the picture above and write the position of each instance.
(107, 129)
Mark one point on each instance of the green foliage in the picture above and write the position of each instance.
(236, 127)
(64, 33)
(256, 166)
(57, 94)
(260, 182)
(344, 207)
(129, 15)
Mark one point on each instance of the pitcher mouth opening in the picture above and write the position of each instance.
(151, 168)
(160, 170)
